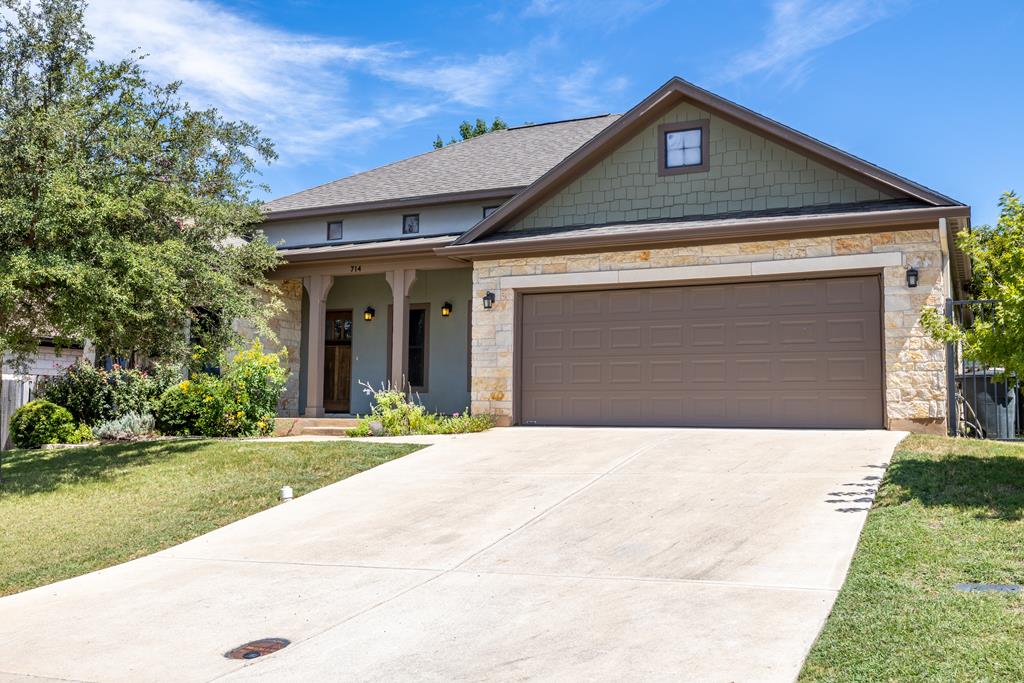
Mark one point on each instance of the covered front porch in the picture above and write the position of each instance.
(362, 320)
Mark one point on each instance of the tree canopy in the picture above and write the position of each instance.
(125, 213)
(472, 130)
(997, 265)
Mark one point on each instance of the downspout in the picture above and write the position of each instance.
(947, 271)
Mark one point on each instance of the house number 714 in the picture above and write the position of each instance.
(356, 269)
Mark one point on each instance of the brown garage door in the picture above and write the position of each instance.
(771, 354)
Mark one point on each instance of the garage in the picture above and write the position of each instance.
(800, 353)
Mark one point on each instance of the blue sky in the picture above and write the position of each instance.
(928, 89)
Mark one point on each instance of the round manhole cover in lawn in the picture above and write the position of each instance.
(257, 648)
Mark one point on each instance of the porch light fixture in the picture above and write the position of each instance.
(488, 300)
(368, 313)
(911, 277)
(446, 309)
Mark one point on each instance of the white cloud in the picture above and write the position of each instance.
(310, 94)
(293, 86)
(611, 14)
(798, 28)
(586, 90)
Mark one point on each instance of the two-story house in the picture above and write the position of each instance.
(689, 263)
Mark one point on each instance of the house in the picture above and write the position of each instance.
(689, 262)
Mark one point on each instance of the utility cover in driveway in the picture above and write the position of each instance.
(803, 353)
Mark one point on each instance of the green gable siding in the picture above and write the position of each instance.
(746, 173)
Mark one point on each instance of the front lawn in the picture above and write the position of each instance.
(949, 511)
(68, 512)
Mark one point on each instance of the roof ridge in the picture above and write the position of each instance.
(551, 123)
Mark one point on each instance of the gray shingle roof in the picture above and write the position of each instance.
(511, 158)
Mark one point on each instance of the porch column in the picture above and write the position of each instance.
(400, 282)
(317, 286)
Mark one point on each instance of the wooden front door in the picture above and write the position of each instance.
(338, 362)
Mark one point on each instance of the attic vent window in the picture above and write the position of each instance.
(410, 224)
(683, 147)
(334, 230)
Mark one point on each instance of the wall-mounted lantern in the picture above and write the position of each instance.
(911, 277)
(446, 309)
(488, 300)
(368, 313)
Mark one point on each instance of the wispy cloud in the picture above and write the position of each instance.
(610, 13)
(800, 28)
(312, 93)
(294, 86)
(587, 89)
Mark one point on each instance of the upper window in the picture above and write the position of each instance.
(488, 210)
(683, 147)
(334, 231)
(410, 224)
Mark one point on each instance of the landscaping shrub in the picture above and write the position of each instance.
(94, 395)
(242, 401)
(395, 413)
(41, 422)
(128, 427)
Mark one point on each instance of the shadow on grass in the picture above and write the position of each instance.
(39, 471)
(992, 485)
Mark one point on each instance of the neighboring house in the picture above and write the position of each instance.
(18, 382)
(687, 263)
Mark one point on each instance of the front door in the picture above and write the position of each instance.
(338, 362)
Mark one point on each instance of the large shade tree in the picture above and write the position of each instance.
(125, 214)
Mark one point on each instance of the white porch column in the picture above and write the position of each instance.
(400, 282)
(317, 286)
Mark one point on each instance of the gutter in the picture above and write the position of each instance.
(731, 231)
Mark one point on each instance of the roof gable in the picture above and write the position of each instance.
(576, 191)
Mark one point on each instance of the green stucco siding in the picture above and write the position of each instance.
(746, 173)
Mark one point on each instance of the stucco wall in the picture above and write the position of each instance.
(746, 173)
(914, 363)
(369, 338)
(287, 328)
(448, 346)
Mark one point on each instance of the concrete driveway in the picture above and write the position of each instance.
(523, 553)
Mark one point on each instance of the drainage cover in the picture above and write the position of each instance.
(257, 648)
(985, 587)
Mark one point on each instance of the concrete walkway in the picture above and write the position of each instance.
(523, 553)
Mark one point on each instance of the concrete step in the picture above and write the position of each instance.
(324, 431)
(325, 426)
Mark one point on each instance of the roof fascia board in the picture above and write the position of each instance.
(383, 205)
(375, 251)
(733, 231)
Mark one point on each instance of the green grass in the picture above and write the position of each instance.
(68, 512)
(948, 511)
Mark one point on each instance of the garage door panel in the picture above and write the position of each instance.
(763, 334)
(799, 354)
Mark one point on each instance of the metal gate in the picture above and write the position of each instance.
(984, 402)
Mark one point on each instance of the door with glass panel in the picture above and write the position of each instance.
(338, 362)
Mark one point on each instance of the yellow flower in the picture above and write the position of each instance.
(184, 385)
(240, 414)
(208, 399)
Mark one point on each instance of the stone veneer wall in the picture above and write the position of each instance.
(287, 328)
(746, 172)
(914, 363)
